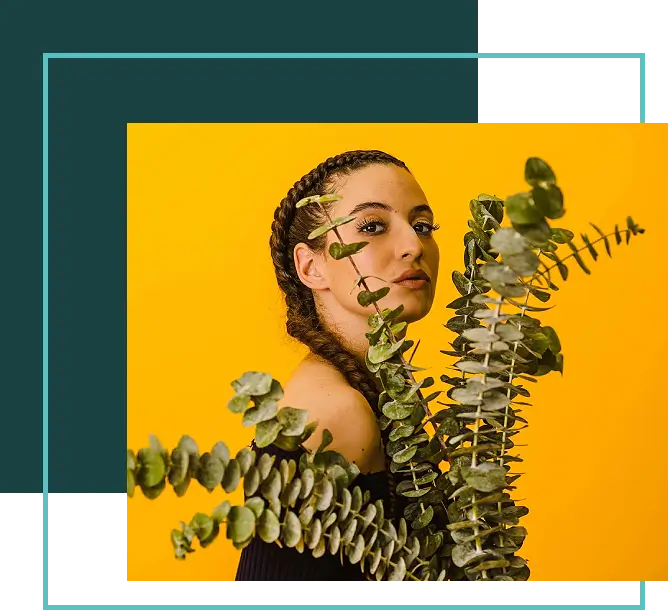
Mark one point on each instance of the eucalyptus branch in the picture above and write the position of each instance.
(633, 229)
(485, 545)
(403, 442)
(388, 329)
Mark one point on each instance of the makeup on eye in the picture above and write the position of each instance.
(365, 223)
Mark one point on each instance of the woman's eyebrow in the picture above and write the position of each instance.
(377, 205)
(424, 207)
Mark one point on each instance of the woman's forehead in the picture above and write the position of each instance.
(388, 184)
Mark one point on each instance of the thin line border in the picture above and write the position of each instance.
(45, 240)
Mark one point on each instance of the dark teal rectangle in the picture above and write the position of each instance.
(90, 103)
(87, 195)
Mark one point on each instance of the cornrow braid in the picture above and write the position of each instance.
(292, 226)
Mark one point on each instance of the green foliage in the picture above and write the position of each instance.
(460, 524)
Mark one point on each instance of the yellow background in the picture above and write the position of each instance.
(203, 308)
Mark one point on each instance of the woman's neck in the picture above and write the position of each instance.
(350, 329)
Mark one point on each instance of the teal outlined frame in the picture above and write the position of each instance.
(640, 56)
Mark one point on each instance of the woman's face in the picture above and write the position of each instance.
(393, 215)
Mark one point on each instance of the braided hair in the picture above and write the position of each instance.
(292, 226)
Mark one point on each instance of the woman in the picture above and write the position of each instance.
(332, 382)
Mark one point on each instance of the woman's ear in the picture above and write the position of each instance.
(310, 267)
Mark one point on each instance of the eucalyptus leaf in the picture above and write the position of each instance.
(485, 477)
(266, 432)
(522, 210)
(211, 471)
(424, 519)
(337, 222)
(397, 410)
(251, 481)
(591, 248)
(465, 300)
(256, 504)
(313, 534)
(253, 383)
(414, 493)
(463, 554)
(398, 570)
(268, 526)
(605, 239)
(553, 342)
(324, 490)
(448, 427)
(327, 439)
(317, 199)
(254, 415)
(477, 367)
(508, 290)
(538, 173)
(153, 492)
(431, 545)
(383, 351)
(240, 523)
(461, 323)
(231, 477)
(178, 470)
(480, 335)
(524, 263)
(221, 511)
(495, 272)
(152, 467)
(549, 200)
(292, 421)
(221, 451)
(264, 465)
(537, 233)
(405, 455)
(515, 535)
(508, 241)
(465, 396)
(290, 493)
(339, 251)
(561, 236)
(401, 431)
(494, 401)
(271, 486)
(245, 457)
(291, 530)
(365, 298)
(578, 258)
(238, 403)
(462, 283)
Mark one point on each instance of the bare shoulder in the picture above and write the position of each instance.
(323, 391)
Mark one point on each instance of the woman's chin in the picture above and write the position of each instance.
(413, 310)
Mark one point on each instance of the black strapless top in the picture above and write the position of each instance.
(263, 561)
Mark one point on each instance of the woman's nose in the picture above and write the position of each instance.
(410, 244)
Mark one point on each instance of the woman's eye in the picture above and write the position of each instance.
(426, 228)
(373, 225)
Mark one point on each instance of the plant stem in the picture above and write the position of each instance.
(380, 530)
(390, 334)
(505, 414)
(356, 514)
(474, 455)
(580, 250)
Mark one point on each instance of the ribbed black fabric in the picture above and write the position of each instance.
(263, 561)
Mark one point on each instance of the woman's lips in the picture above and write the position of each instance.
(413, 279)
(413, 284)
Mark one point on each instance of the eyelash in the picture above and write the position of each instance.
(369, 222)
